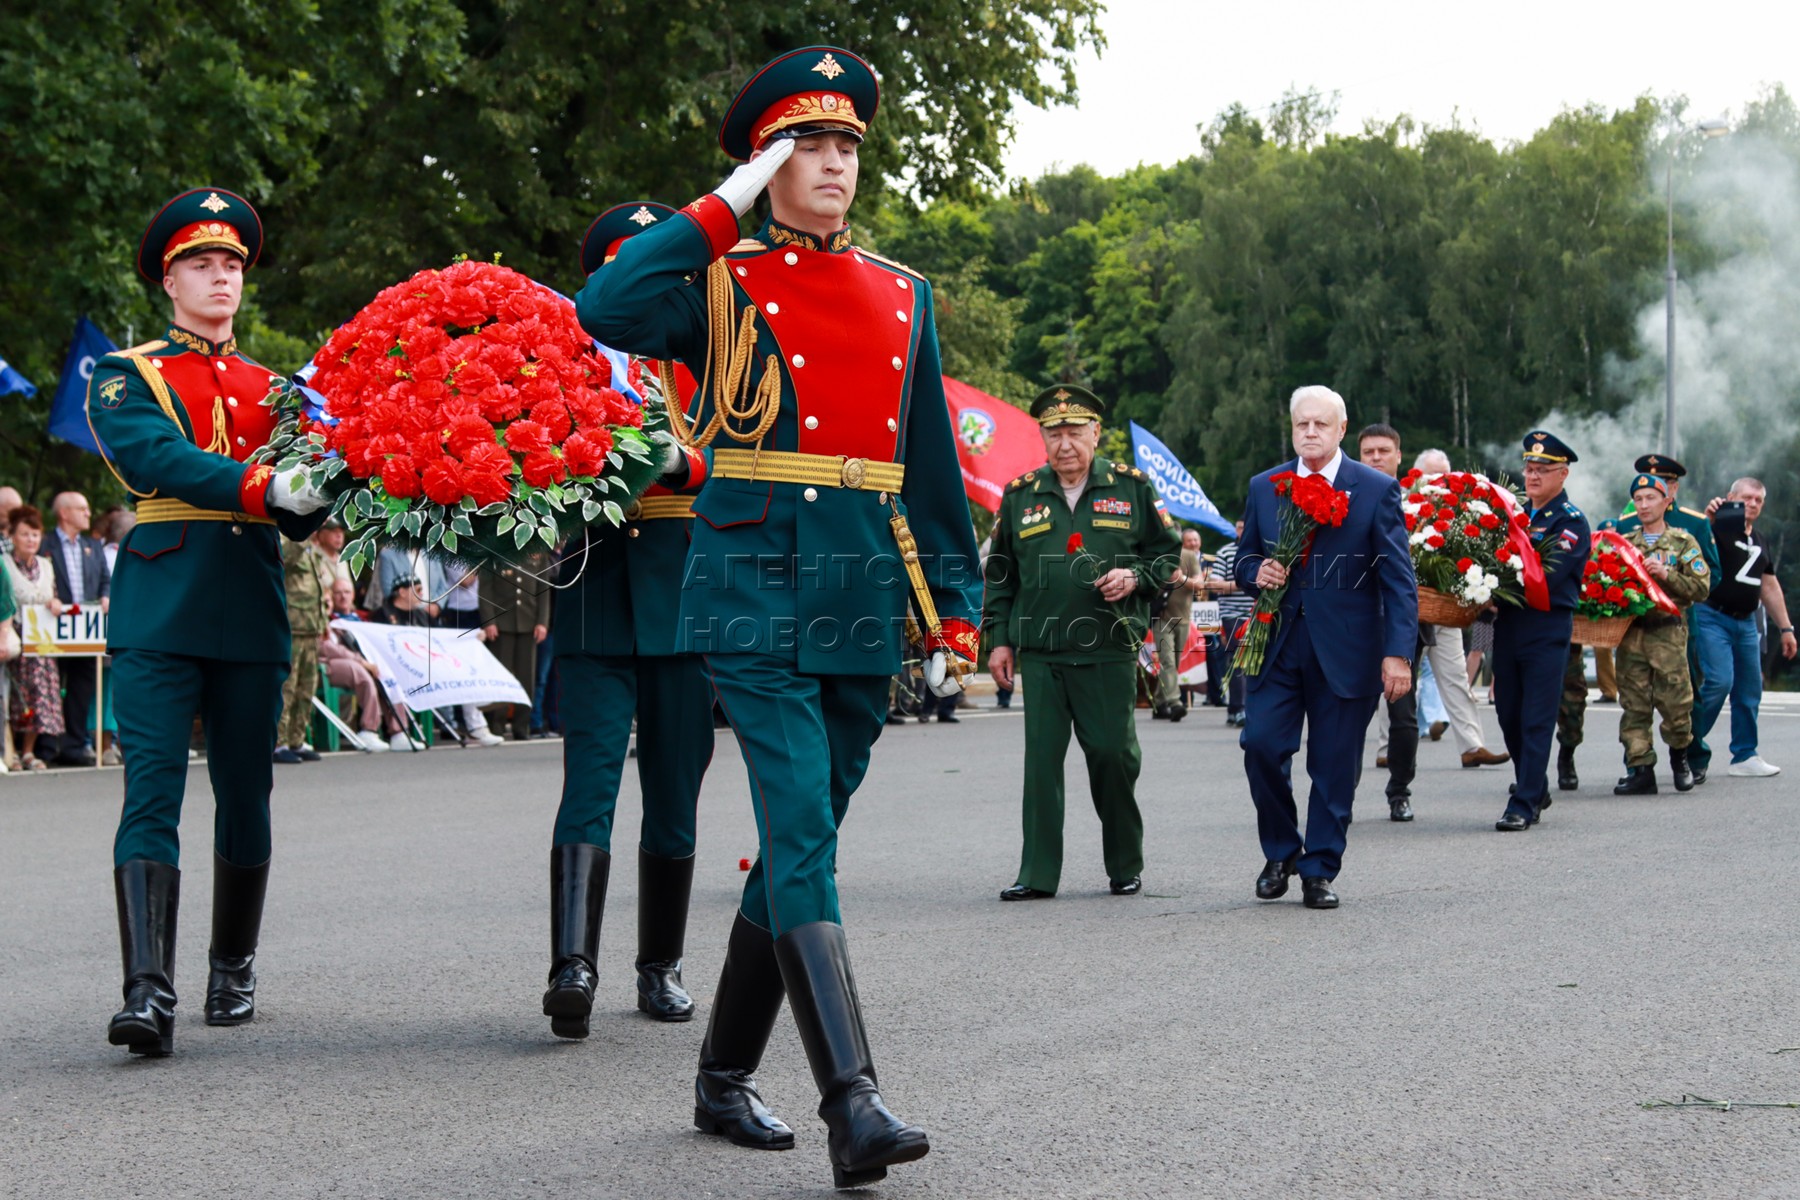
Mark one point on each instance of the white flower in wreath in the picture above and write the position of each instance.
(1478, 506)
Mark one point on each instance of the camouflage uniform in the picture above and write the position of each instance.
(308, 574)
(1652, 660)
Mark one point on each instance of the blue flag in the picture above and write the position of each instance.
(1180, 491)
(11, 381)
(68, 411)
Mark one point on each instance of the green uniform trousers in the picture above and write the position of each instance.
(1099, 700)
(1653, 678)
(517, 653)
(239, 704)
(1571, 713)
(297, 691)
(673, 703)
(806, 741)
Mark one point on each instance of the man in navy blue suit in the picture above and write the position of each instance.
(1344, 638)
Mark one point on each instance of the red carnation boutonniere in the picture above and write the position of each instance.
(1311, 501)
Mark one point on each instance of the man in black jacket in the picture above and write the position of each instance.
(82, 577)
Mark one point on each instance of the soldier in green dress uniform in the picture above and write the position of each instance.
(1079, 546)
(614, 639)
(832, 503)
(199, 619)
(1653, 657)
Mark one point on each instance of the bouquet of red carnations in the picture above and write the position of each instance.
(1311, 501)
(1467, 542)
(467, 412)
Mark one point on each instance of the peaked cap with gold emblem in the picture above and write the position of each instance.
(1067, 404)
(1660, 464)
(1545, 447)
(803, 91)
(201, 219)
(616, 224)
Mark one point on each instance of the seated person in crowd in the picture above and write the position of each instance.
(377, 729)
(407, 605)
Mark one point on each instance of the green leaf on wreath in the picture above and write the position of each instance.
(522, 534)
(614, 513)
(365, 503)
(589, 510)
(357, 562)
(450, 541)
(394, 523)
(547, 534)
(488, 510)
(612, 456)
(506, 522)
(538, 502)
(467, 504)
(415, 523)
(433, 536)
(554, 497)
(461, 524)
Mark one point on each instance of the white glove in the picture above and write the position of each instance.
(938, 676)
(674, 458)
(293, 490)
(747, 182)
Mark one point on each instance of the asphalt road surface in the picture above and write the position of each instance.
(1482, 1017)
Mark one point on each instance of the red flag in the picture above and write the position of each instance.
(995, 442)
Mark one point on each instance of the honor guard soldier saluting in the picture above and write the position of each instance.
(614, 638)
(199, 620)
(1653, 657)
(1531, 648)
(832, 499)
(1079, 546)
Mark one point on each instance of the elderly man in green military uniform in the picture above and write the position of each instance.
(1079, 546)
(1652, 660)
(199, 619)
(832, 503)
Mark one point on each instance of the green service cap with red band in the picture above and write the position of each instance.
(202, 219)
(616, 224)
(805, 91)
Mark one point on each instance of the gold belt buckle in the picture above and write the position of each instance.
(635, 511)
(855, 470)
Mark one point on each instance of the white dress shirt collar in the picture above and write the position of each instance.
(1330, 470)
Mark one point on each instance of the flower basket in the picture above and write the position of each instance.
(1436, 608)
(1603, 632)
(467, 414)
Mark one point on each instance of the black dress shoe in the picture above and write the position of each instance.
(664, 885)
(1512, 822)
(286, 756)
(578, 874)
(1399, 808)
(1019, 891)
(1177, 711)
(1317, 893)
(1272, 884)
(949, 719)
(1638, 781)
(307, 753)
(238, 894)
(1699, 774)
(894, 718)
(1127, 887)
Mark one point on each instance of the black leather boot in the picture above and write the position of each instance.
(1566, 779)
(664, 885)
(236, 921)
(865, 1138)
(744, 1009)
(1678, 767)
(149, 895)
(577, 899)
(1638, 781)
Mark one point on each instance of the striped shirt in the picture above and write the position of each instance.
(1235, 606)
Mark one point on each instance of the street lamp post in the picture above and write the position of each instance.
(1712, 127)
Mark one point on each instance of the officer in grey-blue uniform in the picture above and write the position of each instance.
(1531, 648)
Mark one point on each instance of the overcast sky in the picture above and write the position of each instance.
(1504, 69)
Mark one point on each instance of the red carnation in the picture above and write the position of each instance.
(488, 457)
(585, 452)
(1489, 521)
(1412, 522)
(1463, 564)
(1441, 526)
(485, 487)
(443, 483)
(1504, 554)
(1434, 542)
(1473, 531)
(1074, 546)
(465, 433)
(544, 468)
(553, 415)
(399, 477)
(1265, 617)
(527, 437)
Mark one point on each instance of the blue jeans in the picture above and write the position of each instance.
(1430, 702)
(1730, 665)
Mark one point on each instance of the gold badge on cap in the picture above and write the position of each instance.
(1061, 394)
(642, 217)
(212, 203)
(829, 67)
(1538, 449)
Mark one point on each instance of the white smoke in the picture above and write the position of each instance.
(1737, 338)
